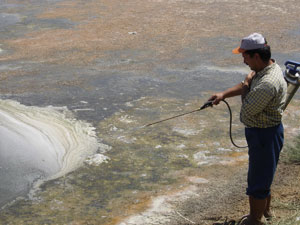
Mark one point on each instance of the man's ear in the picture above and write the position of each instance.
(257, 56)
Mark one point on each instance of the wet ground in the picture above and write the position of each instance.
(120, 66)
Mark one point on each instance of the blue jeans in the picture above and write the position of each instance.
(264, 146)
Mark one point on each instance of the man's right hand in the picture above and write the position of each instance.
(239, 89)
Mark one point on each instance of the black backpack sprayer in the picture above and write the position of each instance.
(292, 77)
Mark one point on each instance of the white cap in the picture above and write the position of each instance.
(253, 41)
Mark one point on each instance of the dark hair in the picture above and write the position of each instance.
(264, 53)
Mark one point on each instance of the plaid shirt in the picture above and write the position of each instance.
(263, 105)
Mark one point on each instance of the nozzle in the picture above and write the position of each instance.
(207, 104)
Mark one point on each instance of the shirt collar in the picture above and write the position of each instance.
(267, 68)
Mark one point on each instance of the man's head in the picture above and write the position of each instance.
(255, 51)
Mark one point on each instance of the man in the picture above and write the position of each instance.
(263, 95)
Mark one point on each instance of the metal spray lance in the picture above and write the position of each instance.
(207, 104)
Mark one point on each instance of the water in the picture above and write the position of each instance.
(97, 161)
(39, 144)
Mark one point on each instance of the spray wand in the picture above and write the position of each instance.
(206, 104)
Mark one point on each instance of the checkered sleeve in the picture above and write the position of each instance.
(257, 99)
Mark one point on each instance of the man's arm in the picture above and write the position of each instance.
(239, 89)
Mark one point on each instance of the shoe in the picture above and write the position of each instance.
(230, 222)
(268, 216)
(246, 220)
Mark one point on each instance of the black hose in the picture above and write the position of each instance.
(230, 127)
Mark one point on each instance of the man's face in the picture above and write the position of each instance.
(251, 62)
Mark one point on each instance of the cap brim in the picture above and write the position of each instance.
(238, 50)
